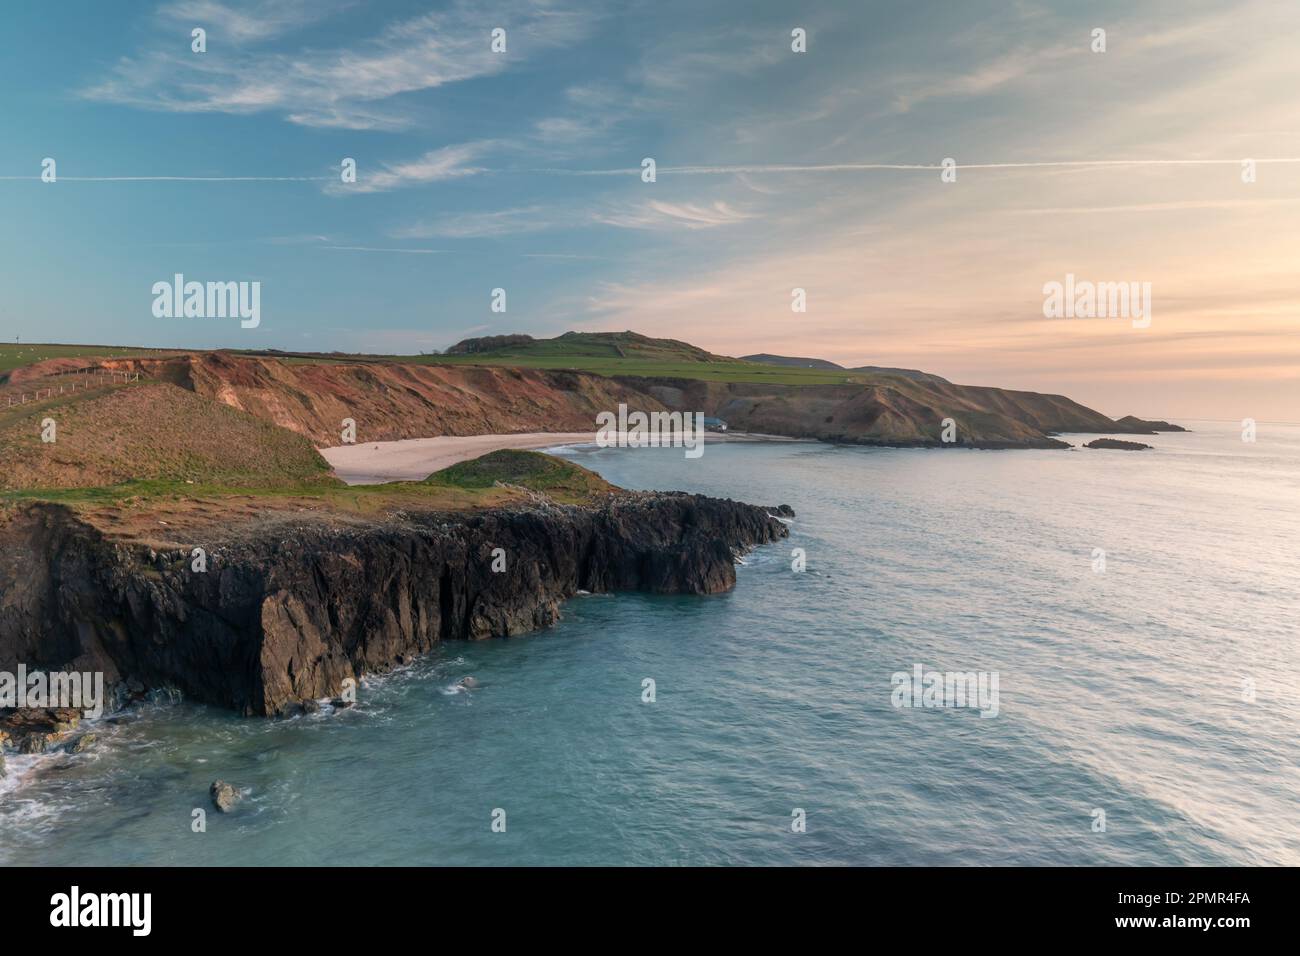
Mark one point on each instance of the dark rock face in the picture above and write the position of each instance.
(1116, 444)
(287, 617)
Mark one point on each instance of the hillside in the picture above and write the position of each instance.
(621, 345)
(790, 361)
(895, 411)
(554, 477)
(150, 431)
(389, 401)
(520, 384)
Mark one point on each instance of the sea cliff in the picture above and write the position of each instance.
(287, 611)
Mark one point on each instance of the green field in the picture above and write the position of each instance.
(608, 354)
(464, 485)
(14, 356)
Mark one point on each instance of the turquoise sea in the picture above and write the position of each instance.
(1162, 690)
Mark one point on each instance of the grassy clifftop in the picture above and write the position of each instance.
(535, 471)
(515, 383)
(149, 431)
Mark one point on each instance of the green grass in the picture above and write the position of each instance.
(14, 356)
(597, 354)
(466, 484)
(530, 469)
(160, 489)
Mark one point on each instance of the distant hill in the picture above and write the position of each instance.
(792, 361)
(517, 383)
(915, 374)
(624, 345)
(789, 361)
(489, 343)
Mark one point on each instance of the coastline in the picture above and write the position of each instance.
(414, 459)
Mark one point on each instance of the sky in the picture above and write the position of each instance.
(775, 170)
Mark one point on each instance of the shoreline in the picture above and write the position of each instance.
(414, 459)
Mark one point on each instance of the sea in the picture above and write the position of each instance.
(1136, 613)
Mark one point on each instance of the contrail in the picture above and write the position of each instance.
(867, 167)
(708, 170)
(179, 179)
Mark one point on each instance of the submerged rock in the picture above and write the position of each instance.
(81, 744)
(468, 682)
(224, 796)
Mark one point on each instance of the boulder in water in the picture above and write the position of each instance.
(224, 796)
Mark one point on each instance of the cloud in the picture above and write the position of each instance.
(985, 78)
(685, 61)
(437, 165)
(653, 214)
(344, 87)
(648, 214)
(255, 21)
(413, 252)
(485, 225)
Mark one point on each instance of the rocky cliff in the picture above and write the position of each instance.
(390, 400)
(285, 615)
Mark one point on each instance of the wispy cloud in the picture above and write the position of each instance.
(647, 214)
(486, 225)
(252, 22)
(348, 87)
(437, 165)
(685, 61)
(984, 78)
(409, 252)
(653, 214)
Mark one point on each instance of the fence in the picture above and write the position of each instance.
(83, 380)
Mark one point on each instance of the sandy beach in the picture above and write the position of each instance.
(414, 459)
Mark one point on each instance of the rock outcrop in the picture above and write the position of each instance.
(289, 613)
(1132, 425)
(224, 796)
(1116, 444)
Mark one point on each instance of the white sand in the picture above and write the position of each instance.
(414, 459)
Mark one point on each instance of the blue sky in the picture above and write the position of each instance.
(519, 170)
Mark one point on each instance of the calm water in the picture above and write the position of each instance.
(1120, 691)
